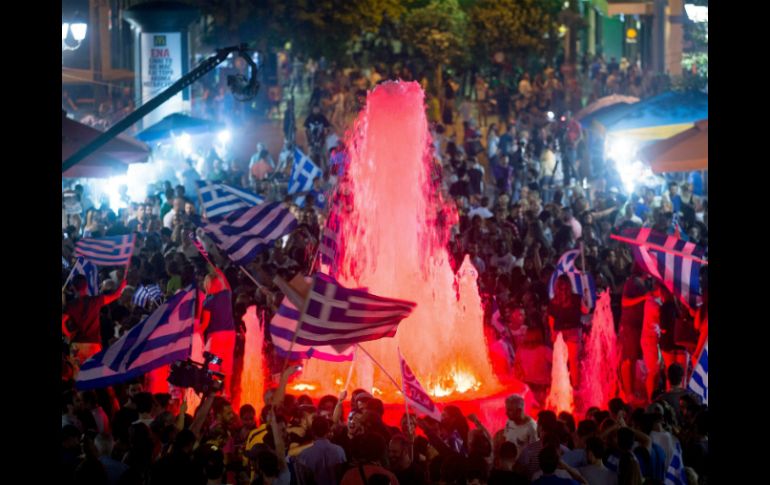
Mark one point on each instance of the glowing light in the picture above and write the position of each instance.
(78, 31)
(376, 392)
(551, 116)
(458, 381)
(697, 13)
(183, 143)
(620, 149)
(338, 381)
(65, 28)
(301, 387)
(224, 136)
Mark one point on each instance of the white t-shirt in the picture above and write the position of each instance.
(665, 441)
(168, 219)
(598, 475)
(521, 434)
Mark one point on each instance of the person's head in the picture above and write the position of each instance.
(514, 408)
(170, 194)
(178, 204)
(673, 188)
(320, 428)
(144, 402)
(355, 423)
(675, 374)
(549, 459)
(507, 455)
(586, 429)
(594, 450)
(104, 444)
(316, 109)
(326, 405)
(616, 405)
(546, 423)
(248, 416)
(398, 452)
(134, 388)
(80, 284)
(180, 192)
(376, 406)
(189, 208)
(408, 424)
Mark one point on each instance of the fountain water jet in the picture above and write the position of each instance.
(392, 240)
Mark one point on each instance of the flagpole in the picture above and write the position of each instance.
(379, 365)
(408, 417)
(294, 297)
(658, 248)
(350, 371)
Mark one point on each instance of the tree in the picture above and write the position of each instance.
(437, 32)
(516, 28)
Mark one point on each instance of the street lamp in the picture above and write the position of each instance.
(73, 34)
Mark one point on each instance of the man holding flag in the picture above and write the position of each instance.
(80, 318)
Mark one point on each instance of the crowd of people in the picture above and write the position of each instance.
(527, 189)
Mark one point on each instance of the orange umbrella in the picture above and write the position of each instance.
(683, 152)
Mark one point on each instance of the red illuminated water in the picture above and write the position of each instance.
(560, 398)
(394, 244)
(599, 367)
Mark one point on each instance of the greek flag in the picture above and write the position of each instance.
(699, 382)
(89, 270)
(303, 172)
(675, 474)
(341, 316)
(582, 283)
(162, 338)
(147, 294)
(414, 394)
(327, 247)
(220, 200)
(107, 251)
(674, 262)
(242, 238)
(282, 329)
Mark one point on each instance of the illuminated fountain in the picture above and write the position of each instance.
(599, 367)
(560, 398)
(393, 242)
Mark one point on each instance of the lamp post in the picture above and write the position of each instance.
(72, 34)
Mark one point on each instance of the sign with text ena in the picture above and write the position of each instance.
(161, 65)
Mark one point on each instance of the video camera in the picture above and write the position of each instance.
(188, 373)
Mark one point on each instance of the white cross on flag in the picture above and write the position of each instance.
(414, 394)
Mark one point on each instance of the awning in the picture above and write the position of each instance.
(176, 124)
(685, 152)
(604, 103)
(658, 117)
(111, 159)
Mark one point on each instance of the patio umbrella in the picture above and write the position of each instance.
(684, 152)
(111, 159)
(176, 124)
(603, 103)
(659, 117)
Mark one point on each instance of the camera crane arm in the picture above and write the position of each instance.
(201, 70)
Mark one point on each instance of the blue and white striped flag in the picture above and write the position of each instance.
(582, 283)
(147, 294)
(219, 200)
(672, 261)
(699, 382)
(282, 328)
(89, 270)
(340, 316)
(328, 245)
(303, 172)
(107, 251)
(244, 237)
(675, 475)
(162, 338)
